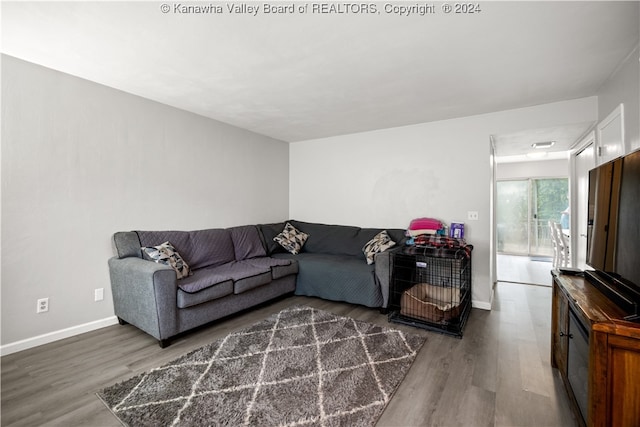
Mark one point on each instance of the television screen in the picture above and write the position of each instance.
(604, 183)
(627, 250)
(613, 233)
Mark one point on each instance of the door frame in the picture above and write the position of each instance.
(493, 254)
(576, 149)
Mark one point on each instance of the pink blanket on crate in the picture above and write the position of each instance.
(425, 224)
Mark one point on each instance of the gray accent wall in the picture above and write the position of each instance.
(81, 161)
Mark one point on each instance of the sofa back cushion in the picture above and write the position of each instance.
(267, 233)
(246, 242)
(341, 239)
(211, 247)
(127, 244)
(331, 239)
(201, 248)
(396, 234)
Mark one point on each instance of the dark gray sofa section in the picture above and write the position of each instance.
(332, 265)
(231, 272)
(239, 267)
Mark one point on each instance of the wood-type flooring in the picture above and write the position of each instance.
(498, 374)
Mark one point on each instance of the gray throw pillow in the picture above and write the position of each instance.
(291, 239)
(380, 243)
(168, 255)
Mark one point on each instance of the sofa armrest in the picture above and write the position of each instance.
(383, 274)
(145, 294)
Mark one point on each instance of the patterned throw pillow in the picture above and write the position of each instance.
(291, 239)
(168, 255)
(380, 243)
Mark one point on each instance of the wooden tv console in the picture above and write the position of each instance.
(613, 394)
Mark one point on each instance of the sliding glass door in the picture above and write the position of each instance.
(523, 211)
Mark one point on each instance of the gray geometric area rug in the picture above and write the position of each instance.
(299, 367)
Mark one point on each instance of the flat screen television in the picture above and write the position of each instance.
(613, 232)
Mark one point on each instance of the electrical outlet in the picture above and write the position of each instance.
(98, 294)
(43, 305)
(472, 215)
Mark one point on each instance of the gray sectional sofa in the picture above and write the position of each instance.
(332, 264)
(230, 272)
(233, 269)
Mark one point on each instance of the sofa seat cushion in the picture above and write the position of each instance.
(279, 267)
(250, 282)
(241, 276)
(245, 276)
(203, 279)
(210, 293)
(336, 278)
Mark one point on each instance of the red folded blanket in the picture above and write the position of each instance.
(443, 242)
(425, 224)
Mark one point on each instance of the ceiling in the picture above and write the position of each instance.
(299, 76)
(518, 146)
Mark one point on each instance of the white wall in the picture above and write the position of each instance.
(624, 87)
(81, 161)
(557, 168)
(441, 169)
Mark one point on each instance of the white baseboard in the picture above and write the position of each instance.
(103, 323)
(56, 335)
(481, 304)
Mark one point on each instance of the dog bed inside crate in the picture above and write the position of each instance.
(435, 304)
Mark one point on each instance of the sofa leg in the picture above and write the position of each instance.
(164, 343)
(384, 310)
(122, 322)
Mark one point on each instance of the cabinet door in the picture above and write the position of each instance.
(623, 394)
(611, 136)
(560, 324)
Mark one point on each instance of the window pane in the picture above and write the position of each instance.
(551, 204)
(527, 233)
(512, 216)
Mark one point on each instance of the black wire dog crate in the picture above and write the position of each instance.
(430, 288)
